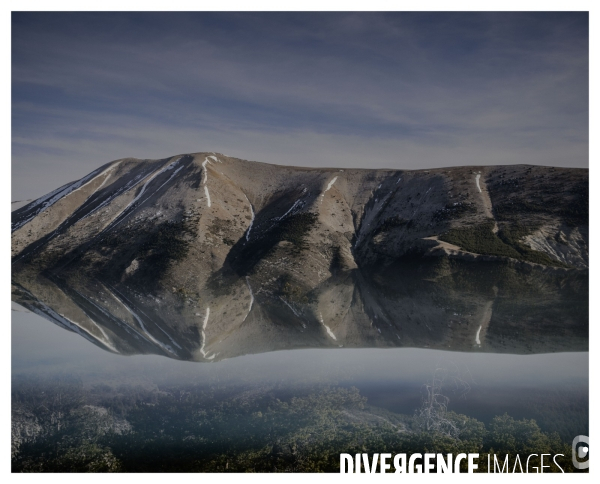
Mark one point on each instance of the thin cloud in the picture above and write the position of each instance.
(403, 90)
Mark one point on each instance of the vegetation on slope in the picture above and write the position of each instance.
(535, 192)
(156, 247)
(295, 229)
(259, 429)
(480, 239)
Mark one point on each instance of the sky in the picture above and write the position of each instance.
(366, 90)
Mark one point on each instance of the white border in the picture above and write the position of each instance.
(293, 5)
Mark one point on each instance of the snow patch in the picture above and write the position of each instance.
(105, 341)
(296, 203)
(119, 218)
(251, 298)
(207, 195)
(108, 172)
(205, 177)
(204, 172)
(290, 306)
(143, 327)
(251, 221)
(204, 354)
(154, 175)
(123, 324)
(48, 313)
(128, 186)
(329, 332)
(477, 182)
(170, 178)
(331, 184)
(54, 196)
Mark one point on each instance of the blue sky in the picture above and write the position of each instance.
(369, 90)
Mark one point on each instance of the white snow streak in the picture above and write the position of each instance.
(49, 313)
(205, 178)
(155, 191)
(206, 318)
(296, 203)
(143, 327)
(251, 221)
(152, 177)
(204, 173)
(107, 171)
(110, 316)
(207, 195)
(67, 190)
(120, 191)
(329, 185)
(51, 198)
(477, 336)
(103, 183)
(477, 182)
(106, 340)
(251, 298)
(96, 324)
(204, 354)
(152, 338)
(214, 158)
(289, 306)
(327, 327)
(292, 208)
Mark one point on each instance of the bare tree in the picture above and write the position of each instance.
(432, 414)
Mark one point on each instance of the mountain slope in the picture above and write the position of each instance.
(202, 256)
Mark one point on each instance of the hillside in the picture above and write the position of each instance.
(202, 256)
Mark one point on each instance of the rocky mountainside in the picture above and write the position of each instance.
(203, 256)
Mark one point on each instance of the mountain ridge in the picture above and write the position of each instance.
(244, 249)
